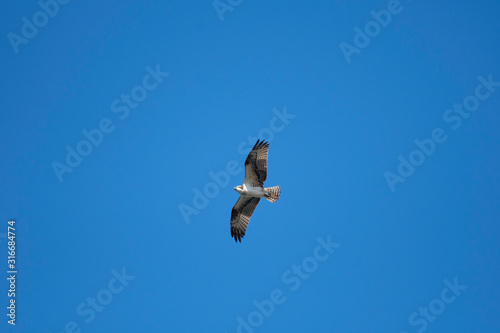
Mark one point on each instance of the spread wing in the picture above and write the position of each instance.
(240, 216)
(256, 164)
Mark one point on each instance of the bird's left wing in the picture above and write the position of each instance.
(256, 164)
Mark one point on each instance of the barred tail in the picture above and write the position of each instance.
(272, 193)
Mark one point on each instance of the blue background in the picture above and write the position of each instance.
(120, 208)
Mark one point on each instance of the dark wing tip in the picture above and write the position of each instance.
(260, 144)
(236, 235)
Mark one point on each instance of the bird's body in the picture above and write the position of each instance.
(252, 190)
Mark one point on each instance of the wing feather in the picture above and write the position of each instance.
(240, 216)
(256, 164)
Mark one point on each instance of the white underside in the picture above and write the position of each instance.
(254, 191)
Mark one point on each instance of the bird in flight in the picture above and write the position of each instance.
(252, 190)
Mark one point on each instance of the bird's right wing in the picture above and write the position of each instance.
(240, 216)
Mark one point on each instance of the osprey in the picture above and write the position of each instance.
(252, 190)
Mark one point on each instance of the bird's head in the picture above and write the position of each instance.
(239, 189)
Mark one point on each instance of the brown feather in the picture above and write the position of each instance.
(240, 216)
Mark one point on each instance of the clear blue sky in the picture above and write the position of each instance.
(383, 123)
